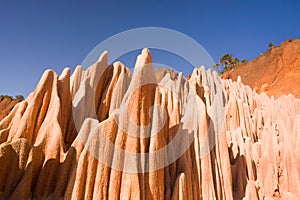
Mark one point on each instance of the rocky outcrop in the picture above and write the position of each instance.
(6, 105)
(220, 140)
(276, 72)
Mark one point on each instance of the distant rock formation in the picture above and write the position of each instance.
(276, 72)
(6, 105)
(43, 156)
(162, 72)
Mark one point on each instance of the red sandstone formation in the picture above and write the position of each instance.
(276, 72)
(43, 156)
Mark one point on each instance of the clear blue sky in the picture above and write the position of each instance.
(37, 35)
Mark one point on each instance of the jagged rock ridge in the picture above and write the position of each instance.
(43, 156)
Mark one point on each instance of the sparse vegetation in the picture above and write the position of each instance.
(19, 97)
(216, 66)
(228, 62)
(6, 96)
(270, 45)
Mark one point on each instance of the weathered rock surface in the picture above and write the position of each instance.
(43, 156)
(6, 105)
(276, 72)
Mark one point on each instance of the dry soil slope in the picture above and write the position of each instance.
(275, 72)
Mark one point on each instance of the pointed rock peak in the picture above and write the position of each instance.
(76, 78)
(66, 73)
(202, 67)
(77, 73)
(78, 69)
(143, 73)
(180, 75)
(166, 78)
(95, 71)
(144, 58)
(48, 75)
(103, 57)
(118, 64)
(239, 79)
(48, 72)
(45, 82)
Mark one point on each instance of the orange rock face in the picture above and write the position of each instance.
(72, 139)
(6, 105)
(276, 72)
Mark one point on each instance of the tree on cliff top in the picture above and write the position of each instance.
(270, 45)
(227, 61)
